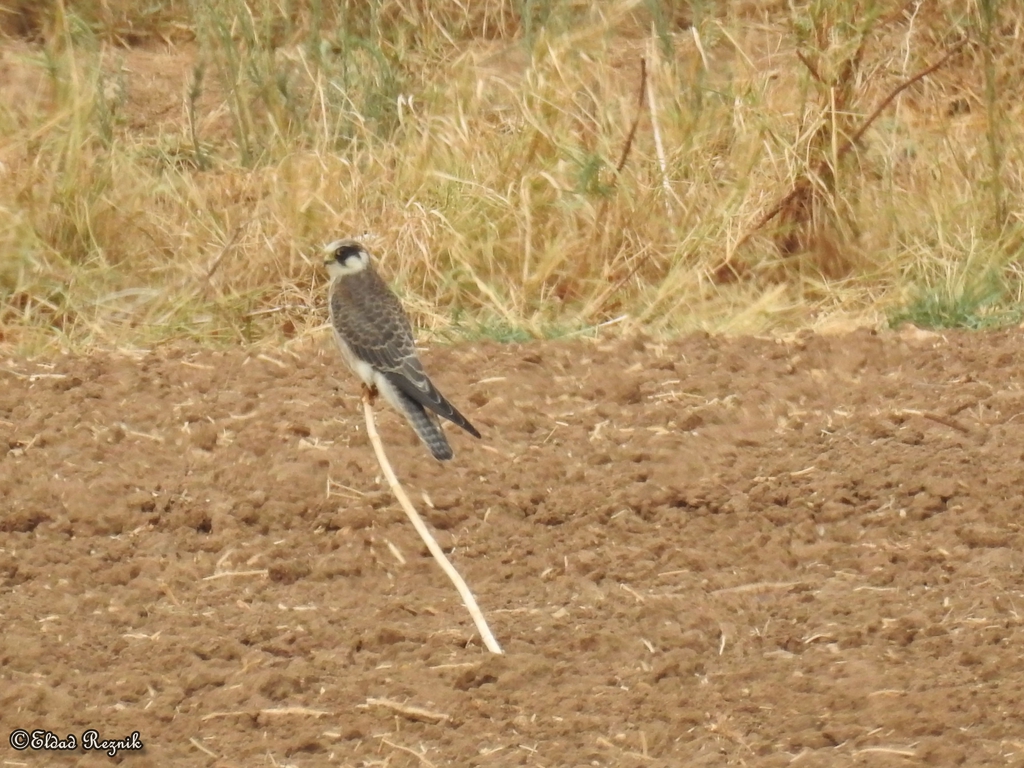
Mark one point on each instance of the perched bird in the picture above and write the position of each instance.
(376, 341)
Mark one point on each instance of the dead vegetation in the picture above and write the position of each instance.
(170, 171)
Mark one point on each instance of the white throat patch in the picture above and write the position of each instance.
(355, 258)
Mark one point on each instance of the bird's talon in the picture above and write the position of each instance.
(369, 393)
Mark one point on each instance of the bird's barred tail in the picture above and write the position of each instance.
(427, 429)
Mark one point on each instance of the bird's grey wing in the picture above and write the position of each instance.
(369, 317)
(411, 380)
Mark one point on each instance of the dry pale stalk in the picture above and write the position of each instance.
(406, 710)
(424, 532)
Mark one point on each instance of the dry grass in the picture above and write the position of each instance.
(171, 173)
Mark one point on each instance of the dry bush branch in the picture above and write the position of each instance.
(641, 95)
(803, 183)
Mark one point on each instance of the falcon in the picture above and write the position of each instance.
(376, 340)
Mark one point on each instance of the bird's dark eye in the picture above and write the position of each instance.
(346, 252)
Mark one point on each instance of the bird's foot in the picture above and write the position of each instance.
(370, 393)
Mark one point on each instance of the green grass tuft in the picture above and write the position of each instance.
(985, 303)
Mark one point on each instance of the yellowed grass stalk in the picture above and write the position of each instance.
(424, 531)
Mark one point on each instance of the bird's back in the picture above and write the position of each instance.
(369, 316)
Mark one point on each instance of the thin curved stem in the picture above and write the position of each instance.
(424, 532)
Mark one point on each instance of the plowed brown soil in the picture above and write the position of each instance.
(704, 552)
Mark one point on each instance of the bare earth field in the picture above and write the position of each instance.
(707, 552)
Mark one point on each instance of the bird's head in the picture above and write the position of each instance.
(346, 257)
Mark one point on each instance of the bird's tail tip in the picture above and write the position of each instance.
(441, 452)
(433, 437)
